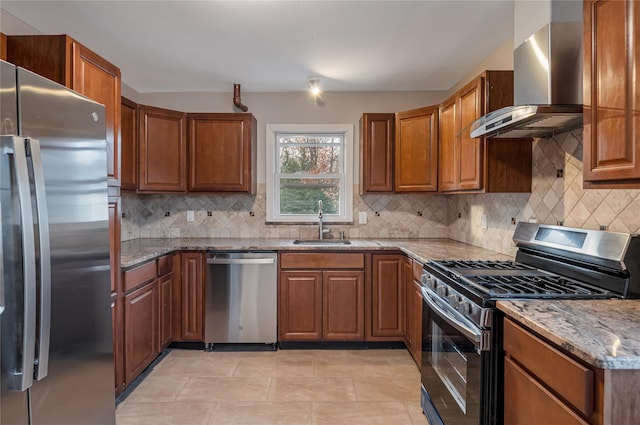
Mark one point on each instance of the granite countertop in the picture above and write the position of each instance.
(603, 333)
(138, 251)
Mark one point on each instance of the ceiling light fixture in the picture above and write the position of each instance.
(314, 85)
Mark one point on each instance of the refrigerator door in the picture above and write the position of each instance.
(17, 347)
(78, 387)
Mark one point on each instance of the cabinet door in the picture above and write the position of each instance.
(416, 150)
(470, 150)
(99, 80)
(343, 305)
(300, 305)
(115, 224)
(407, 277)
(377, 133)
(129, 144)
(611, 93)
(165, 288)
(416, 323)
(140, 329)
(193, 296)
(162, 150)
(222, 152)
(118, 353)
(447, 148)
(388, 297)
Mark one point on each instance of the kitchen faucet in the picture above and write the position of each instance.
(321, 230)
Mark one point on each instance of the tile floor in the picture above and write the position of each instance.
(286, 387)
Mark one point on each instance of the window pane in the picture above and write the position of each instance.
(301, 196)
(309, 139)
(309, 159)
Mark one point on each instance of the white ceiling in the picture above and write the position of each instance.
(273, 46)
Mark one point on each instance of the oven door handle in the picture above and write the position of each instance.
(474, 335)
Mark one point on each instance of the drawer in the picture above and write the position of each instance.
(527, 402)
(165, 265)
(565, 376)
(139, 275)
(417, 270)
(321, 260)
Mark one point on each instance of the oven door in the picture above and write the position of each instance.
(451, 365)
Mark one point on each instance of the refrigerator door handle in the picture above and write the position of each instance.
(21, 378)
(44, 329)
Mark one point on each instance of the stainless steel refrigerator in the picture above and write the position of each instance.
(56, 341)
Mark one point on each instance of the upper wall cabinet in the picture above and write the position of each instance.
(62, 59)
(416, 150)
(162, 150)
(478, 165)
(222, 152)
(129, 144)
(377, 133)
(611, 94)
(171, 151)
(3, 46)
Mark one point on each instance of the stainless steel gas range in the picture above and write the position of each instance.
(462, 356)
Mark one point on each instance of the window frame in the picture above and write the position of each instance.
(272, 194)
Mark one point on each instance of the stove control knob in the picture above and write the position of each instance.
(453, 299)
(464, 307)
(442, 290)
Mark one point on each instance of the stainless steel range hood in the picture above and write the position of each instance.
(547, 79)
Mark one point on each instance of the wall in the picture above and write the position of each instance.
(552, 200)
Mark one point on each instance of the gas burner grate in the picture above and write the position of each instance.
(482, 265)
(534, 286)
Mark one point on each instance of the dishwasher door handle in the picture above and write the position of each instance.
(240, 260)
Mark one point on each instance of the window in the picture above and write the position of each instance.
(307, 164)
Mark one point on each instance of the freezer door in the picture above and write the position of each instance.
(78, 388)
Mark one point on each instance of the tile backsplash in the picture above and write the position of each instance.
(556, 197)
(244, 216)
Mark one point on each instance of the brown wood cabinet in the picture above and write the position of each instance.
(416, 150)
(118, 348)
(377, 135)
(222, 153)
(162, 150)
(475, 164)
(129, 144)
(611, 135)
(387, 296)
(413, 315)
(546, 384)
(165, 301)
(192, 296)
(140, 329)
(321, 297)
(66, 61)
(300, 305)
(3, 46)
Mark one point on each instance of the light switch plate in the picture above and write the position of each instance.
(190, 215)
(362, 217)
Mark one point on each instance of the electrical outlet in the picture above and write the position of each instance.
(362, 217)
(190, 215)
(484, 221)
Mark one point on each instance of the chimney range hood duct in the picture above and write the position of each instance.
(547, 78)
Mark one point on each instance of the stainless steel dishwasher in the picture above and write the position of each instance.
(241, 290)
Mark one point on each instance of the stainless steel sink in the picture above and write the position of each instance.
(322, 242)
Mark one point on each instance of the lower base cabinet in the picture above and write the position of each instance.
(387, 298)
(140, 329)
(544, 384)
(321, 297)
